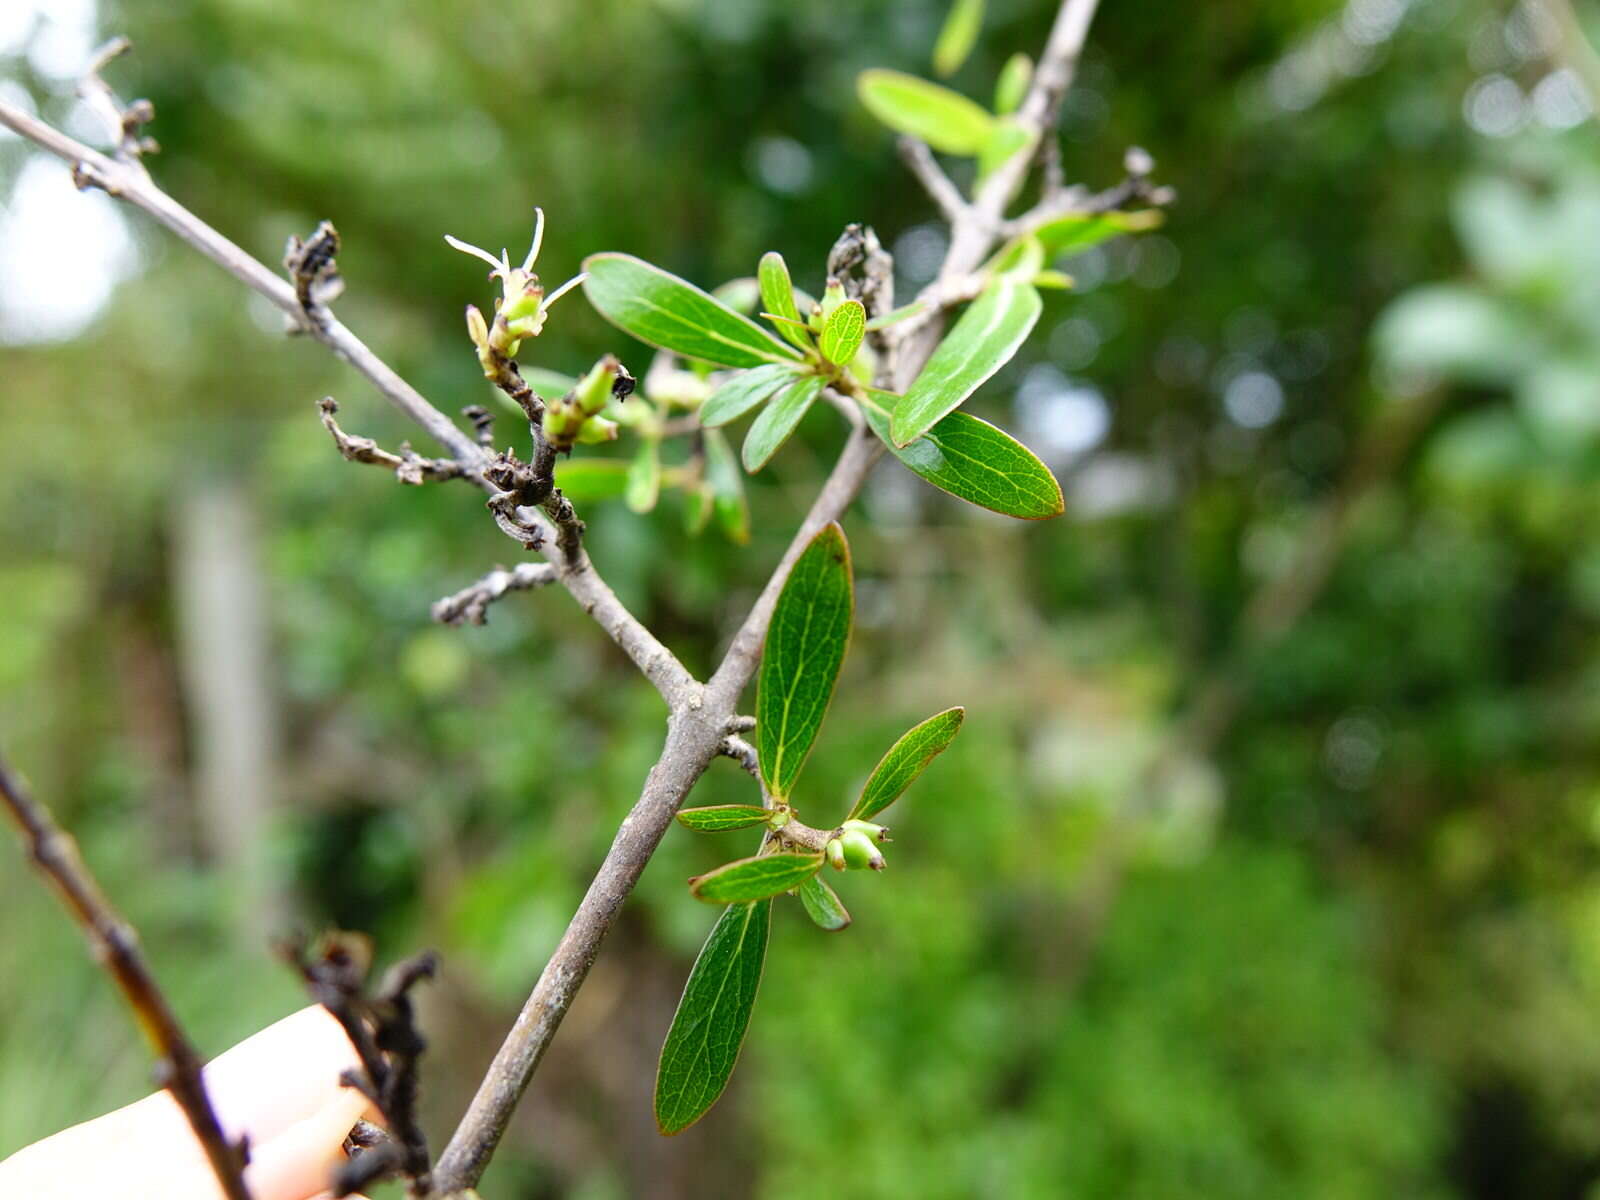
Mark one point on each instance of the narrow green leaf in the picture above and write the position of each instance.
(983, 341)
(1008, 137)
(743, 392)
(664, 311)
(728, 504)
(720, 817)
(755, 878)
(777, 421)
(644, 477)
(958, 37)
(1078, 231)
(742, 294)
(907, 759)
(806, 642)
(1013, 83)
(946, 120)
(549, 385)
(1020, 259)
(696, 510)
(777, 299)
(974, 461)
(588, 479)
(841, 336)
(894, 316)
(708, 1030)
(822, 904)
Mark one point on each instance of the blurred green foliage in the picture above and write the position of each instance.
(1351, 949)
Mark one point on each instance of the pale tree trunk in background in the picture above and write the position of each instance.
(224, 650)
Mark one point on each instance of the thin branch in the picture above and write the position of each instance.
(116, 947)
(470, 606)
(408, 466)
(129, 182)
(914, 152)
(382, 1028)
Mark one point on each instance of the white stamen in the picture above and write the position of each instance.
(538, 239)
(562, 291)
(467, 248)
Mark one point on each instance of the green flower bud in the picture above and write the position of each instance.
(835, 850)
(562, 421)
(832, 296)
(861, 851)
(596, 430)
(878, 833)
(593, 392)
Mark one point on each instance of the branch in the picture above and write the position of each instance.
(116, 946)
(471, 604)
(941, 189)
(698, 733)
(383, 1030)
(408, 466)
(129, 181)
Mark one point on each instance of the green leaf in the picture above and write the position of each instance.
(587, 479)
(841, 336)
(895, 316)
(1008, 137)
(720, 817)
(740, 294)
(664, 311)
(742, 393)
(907, 759)
(1078, 231)
(822, 904)
(777, 421)
(806, 642)
(777, 298)
(703, 1044)
(755, 878)
(983, 341)
(973, 461)
(946, 120)
(644, 477)
(550, 385)
(958, 37)
(1013, 83)
(728, 504)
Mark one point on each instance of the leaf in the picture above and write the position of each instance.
(549, 385)
(777, 299)
(664, 311)
(720, 817)
(1013, 83)
(742, 393)
(907, 759)
(841, 336)
(777, 421)
(983, 341)
(806, 642)
(895, 316)
(973, 461)
(755, 878)
(946, 120)
(644, 477)
(822, 904)
(1008, 137)
(1078, 231)
(740, 294)
(587, 479)
(728, 504)
(958, 37)
(709, 1027)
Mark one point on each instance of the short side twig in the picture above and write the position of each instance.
(116, 945)
(408, 466)
(470, 606)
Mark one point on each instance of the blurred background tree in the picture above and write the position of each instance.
(1202, 902)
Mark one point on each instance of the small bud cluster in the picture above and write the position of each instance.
(520, 311)
(576, 417)
(856, 847)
